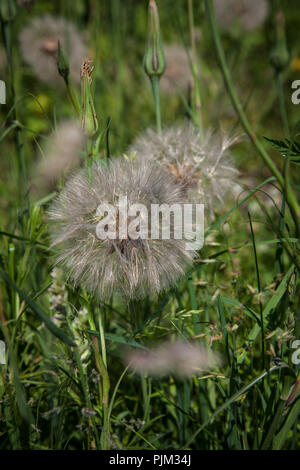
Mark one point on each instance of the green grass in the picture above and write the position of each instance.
(65, 385)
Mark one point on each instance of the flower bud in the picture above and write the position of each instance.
(89, 121)
(62, 64)
(154, 59)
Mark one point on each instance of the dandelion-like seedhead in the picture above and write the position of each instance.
(183, 359)
(178, 70)
(39, 46)
(250, 14)
(202, 164)
(62, 154)
(132, 268)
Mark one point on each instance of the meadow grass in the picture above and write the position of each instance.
(65, 384)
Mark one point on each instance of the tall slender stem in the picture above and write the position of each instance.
(156, 97)
(102, 363)
(259, 293)
(282, 107)
(196, 97)
(100, 359)
(102, 338)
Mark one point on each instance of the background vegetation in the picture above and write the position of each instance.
(242, 296)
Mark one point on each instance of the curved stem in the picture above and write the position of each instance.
(155, 90)
(235, 101)
(196, 96)
(290, 195)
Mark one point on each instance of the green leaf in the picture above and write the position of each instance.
(273, 302)
(286, 148)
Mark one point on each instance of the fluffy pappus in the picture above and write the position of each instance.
(132, 268)
(181, 358)
(62, 154)
(248, 14)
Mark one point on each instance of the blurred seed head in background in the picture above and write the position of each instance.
(62, 154)
(202, 164)
(39, 46)
(248, 14)
(177, 75)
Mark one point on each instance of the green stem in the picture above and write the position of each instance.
(156, 97)
(105, 399)
(107, 139)
(102, 367)
(7, 131)
(146, 390)
(102, 338)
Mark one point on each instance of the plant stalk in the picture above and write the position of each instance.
(156, 97)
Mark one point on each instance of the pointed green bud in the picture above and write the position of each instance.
(62, 64)
(280, 55)
(154, 59)
(89, 121)
(8, 10)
